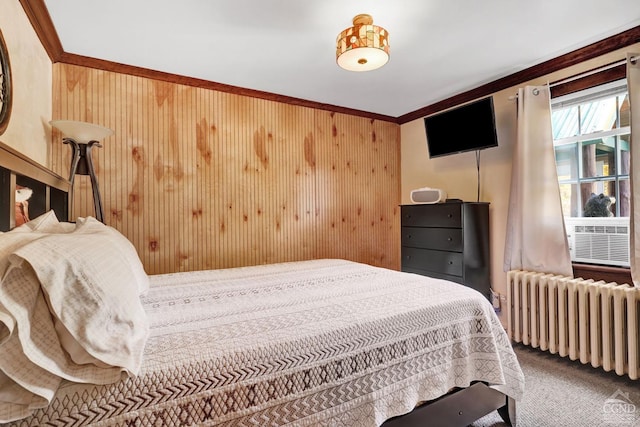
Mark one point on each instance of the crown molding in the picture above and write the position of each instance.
(100, 64)
(577, 56)
(41, 21)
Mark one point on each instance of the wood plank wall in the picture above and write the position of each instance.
(201, 179)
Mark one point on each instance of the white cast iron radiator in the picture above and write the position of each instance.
(595, 322)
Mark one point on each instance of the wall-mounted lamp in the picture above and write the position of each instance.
(82, 137)
(363, 47)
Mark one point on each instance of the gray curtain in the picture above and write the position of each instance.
(536, 239)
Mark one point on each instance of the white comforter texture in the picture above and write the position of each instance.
(312, 343)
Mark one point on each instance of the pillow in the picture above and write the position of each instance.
(10, 242)
(17, 402)
(87, 279)
(34, 340)
(90, 225)
(32, 359)
(67, 227)
(48, 223)
(45, 223)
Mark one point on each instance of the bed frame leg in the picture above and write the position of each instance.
(508, 412)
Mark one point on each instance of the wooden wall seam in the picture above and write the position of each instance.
(200, 179)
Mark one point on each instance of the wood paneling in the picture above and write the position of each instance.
(357, 176)
(197, 178)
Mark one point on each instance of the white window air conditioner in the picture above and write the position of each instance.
(599, 240)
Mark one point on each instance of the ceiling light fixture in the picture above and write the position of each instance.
(363, 47)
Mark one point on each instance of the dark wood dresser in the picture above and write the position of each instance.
(448, 241)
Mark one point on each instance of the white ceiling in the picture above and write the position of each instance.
(439, 48)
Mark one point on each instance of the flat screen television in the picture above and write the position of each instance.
(469, 127)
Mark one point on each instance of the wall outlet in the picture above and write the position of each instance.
(495, 300)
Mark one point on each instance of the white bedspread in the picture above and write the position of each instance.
(326, 342)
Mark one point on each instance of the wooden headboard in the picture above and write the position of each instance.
(49, 190)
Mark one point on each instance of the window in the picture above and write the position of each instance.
(592, 139)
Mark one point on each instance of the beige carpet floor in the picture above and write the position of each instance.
(560, 392)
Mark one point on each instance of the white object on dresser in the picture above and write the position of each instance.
(428, 195)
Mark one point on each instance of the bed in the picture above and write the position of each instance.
(320, 342)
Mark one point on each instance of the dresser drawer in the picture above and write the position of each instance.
(439, 215)
(445, 239)
(431, 260)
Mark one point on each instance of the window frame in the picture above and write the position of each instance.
(592, 80)
(577, 143)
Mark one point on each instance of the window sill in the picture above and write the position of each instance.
(600, 272)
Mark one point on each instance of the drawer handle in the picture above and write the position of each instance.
(449, 239)
(408, 236)
(449, 215)
(450, 262)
